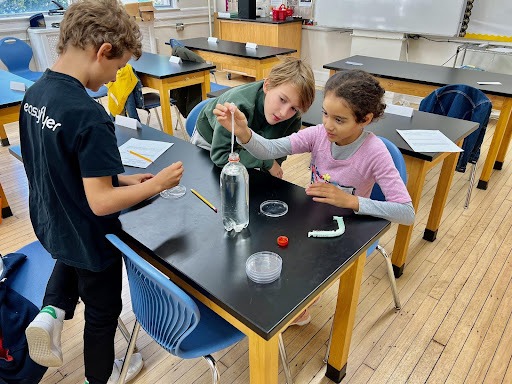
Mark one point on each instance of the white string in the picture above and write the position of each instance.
(232, 130)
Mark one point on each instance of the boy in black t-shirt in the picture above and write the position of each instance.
(76, 189)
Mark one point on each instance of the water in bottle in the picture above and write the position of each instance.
(234, 190)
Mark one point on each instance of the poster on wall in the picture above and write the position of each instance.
(490, 20)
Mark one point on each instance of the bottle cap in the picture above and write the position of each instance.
(282, 241)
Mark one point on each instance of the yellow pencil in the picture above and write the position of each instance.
(203, 199)
(142, 157)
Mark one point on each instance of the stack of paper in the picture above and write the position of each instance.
(421, 140)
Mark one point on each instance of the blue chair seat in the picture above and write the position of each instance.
(214, 87)
(101, 92)
(16, 56)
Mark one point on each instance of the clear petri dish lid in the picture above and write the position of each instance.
(274, 208)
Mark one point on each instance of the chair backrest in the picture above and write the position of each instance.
(192, 116)
(462, 102)
(15, 54)
(164, 310)
(399, 161)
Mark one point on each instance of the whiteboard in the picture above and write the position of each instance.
(426, 17)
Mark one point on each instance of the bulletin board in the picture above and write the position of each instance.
(491, 20)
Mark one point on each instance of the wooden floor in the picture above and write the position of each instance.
(455, 325)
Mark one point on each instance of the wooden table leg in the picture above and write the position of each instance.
(263, 359)
(500, 158)
(6, 210)
(416, 172)
(343, 321)
(496, 143)
(4, 140)
(443, 187)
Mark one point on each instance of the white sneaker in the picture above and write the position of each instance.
(43, 338)
(136, 364)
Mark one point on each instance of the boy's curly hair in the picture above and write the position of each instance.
(298, 73)
(360, 90)
(94, 22)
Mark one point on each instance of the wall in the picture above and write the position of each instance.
(319, 46)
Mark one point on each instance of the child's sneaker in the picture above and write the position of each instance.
(43, 337)
(303, 319)
(136, 364)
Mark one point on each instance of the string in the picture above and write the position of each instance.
(232, 130)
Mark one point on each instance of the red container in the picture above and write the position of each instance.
(275, 14)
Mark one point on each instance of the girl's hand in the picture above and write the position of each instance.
(224, 113)
(330, 194)
(134, 179)
(276, 170)
(169, 177)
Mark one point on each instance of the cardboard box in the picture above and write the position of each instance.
(141, 11)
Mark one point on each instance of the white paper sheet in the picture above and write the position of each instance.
(147, 148)
(421, 140)
(399, 110)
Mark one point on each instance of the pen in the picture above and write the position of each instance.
(142, 157)
(203, 199)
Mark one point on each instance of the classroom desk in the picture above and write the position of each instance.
(10, 102)
(417, 165)
(187, 240)
(422, 79)
(155, 71)
(255, 63)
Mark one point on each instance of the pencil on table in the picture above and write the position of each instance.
(141, 156)
(203, 199)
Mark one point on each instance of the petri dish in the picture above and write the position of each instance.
(264, 267)
(174, 193)
(274, 208)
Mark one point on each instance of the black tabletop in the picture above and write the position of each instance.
(234, 48)
(386, 126)
(186, 236)
(8, 97)
(159, 66)
(426, 73)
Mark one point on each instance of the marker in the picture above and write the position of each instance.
(203, 199)
(142, 157)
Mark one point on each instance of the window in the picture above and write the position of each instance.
(11, 7)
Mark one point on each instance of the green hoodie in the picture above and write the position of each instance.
(249, 98)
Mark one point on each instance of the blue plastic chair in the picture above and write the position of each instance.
(190, 124)
(102, 92)
(377, 194)
(16, 56)
(186, 327)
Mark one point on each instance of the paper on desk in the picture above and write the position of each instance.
(147, 148)
(500, 50)
(399, 110)
(421, 140)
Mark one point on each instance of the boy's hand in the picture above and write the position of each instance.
(134, 179)
(330, 194)
(169, 177)
(224, 112)
(276, 170)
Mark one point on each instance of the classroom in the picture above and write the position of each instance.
(429, 304)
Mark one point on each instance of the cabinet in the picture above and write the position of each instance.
(263, 31)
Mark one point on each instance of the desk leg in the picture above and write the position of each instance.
(263, 359)
(416, 172)
(165, 105)
(343, 322)
(259, 71)
(496, 143)
(4, 140)
(6, 210)
(500, 159)
(443, 187)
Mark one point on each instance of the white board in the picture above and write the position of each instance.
(425, 17)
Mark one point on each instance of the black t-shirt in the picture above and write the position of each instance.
(66, 136)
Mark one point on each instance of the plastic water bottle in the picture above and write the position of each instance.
(234, 193)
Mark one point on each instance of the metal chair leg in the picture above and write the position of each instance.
(129, 353)
(470, 188)
(158, 119)
(179, 122)
(284, 360)
(326, 357)
(391, 276)
(124, 331)
(149, 116)
(213, 368)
